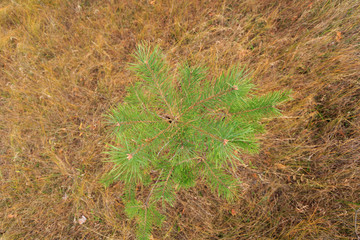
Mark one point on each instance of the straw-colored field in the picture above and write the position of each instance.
(63, 65)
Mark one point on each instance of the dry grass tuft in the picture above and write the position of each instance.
(63, 64)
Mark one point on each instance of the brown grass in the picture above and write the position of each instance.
(63, 64)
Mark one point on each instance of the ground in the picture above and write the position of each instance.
(64, 64)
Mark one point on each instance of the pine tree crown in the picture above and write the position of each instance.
(173, 130)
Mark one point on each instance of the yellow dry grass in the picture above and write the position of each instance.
(63, 64)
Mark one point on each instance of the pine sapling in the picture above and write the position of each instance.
(174, 130)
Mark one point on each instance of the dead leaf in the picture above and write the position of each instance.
(12, 216)
(65, 197)
(338, 36)
(280, 166)
(82, 220)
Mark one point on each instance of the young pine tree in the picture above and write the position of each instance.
(172, 131)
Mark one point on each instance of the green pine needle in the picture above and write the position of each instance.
(173, 130)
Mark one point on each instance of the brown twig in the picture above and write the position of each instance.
(355, 223)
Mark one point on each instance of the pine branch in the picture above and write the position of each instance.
(152, 68)
(258, 107)
(159, 89)
(167, 180)
(207, 99)
(152, 189)
(167, 128)
(144, 105)
(209, 134)
(226, 186)
(132, 122)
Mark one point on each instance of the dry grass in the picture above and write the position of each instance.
(63, 65)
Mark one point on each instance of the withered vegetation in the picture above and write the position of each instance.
(63, 65)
